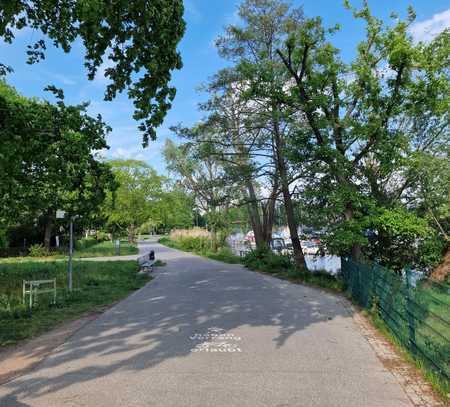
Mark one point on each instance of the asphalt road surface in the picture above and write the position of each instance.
(205, 334)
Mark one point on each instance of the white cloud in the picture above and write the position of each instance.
(428, 29)
(128, 153)
(125, 143)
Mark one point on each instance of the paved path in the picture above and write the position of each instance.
(206, 334)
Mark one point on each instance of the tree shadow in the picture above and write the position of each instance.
(154, 325)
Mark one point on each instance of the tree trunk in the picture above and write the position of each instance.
(131, 234)
(288, 205)
(355, 250)
(255, 219)
(269, 213)
(293, 228)
(48, 231)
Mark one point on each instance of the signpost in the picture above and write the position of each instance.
(60, 215)
(70, 252)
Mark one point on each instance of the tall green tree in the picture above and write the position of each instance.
(243, 147)
(265, 25)
(367, 123)
(48, 159)
(137, 40)
(130, 206)
(203, 176)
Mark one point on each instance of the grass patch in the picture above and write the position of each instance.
(106, 248)
(281, 266)
(190, 245)
(84, 248)
(96, 285)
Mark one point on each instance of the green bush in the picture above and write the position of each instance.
(85, 243)
(102, 236)
(193, 244)
(224, 254)
(38, 250)
(266, 260)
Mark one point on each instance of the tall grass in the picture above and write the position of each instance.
(199, 241)
(96, 284)
(192, 240)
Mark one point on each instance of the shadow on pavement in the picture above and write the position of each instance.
(153, 326)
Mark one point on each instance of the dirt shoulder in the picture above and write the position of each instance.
(417, 388)
(19, 359)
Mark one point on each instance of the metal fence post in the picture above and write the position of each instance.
(410, 311)
(70, 252)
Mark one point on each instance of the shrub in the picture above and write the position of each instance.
(102, 236)
(87, 242)
(191, 233)
(194, 244)
(193, 240)
(266, 260)
(226, 255)
(38, 250)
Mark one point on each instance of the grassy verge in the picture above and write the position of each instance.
(225, 255)
(96, 285)
(83, 249)
(282, 267)
(107, 248)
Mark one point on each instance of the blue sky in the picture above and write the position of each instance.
(205, 21)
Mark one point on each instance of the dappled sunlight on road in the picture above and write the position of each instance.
(146, 339)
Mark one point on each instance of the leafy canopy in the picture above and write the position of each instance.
(136, 41)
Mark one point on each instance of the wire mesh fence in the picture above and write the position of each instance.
(417, 312)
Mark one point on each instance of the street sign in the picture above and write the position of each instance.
(60, 214)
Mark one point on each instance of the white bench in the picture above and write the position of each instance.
(33, 289)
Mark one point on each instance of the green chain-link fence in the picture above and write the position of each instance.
(416, 313)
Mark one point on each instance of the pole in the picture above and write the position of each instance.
(410, 311)
(70, 253)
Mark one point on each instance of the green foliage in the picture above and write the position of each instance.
(130, 205)
(376, 139)
(97, 284)
(267, 261)
(342, 236)
(223, 254)
(193, 244)
(85, 243)
(200, 172)
(101, 236)
(405, 239)
(144, 202)
(136, 39)
(3, 238)
(105, 248)
(47, 159)
(38, 250)
(201, 246)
